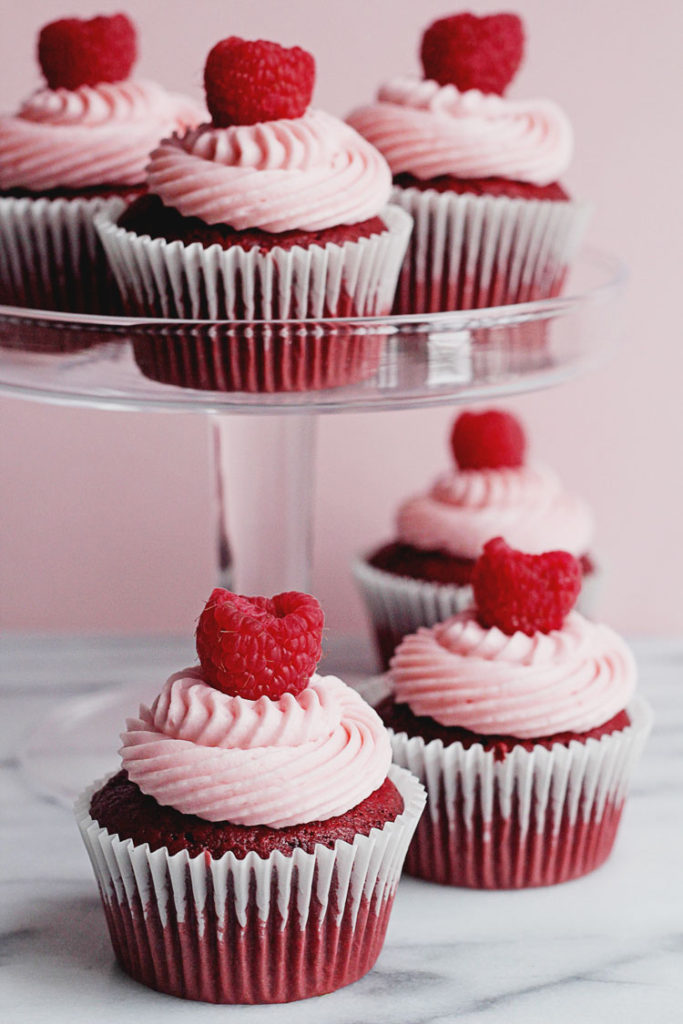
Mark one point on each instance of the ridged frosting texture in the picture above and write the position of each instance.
(462, 674)
(302, 758)
(528, 506)
(90, 136)
(427, 130)
(306, 173)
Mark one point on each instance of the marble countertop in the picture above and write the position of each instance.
(605, 948)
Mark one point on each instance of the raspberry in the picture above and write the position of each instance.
(473, 53)
(526, 593)
(75, 51)
(488, 440)
(256, 646)
(247, 82)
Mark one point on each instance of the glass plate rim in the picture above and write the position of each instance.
(484, 316)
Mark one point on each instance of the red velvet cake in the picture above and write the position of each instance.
(76, 145)
(249, 849)
(148, 216)
(273, 211)
(425, 574)
(122, 808)
(520, 716)
(479, 173)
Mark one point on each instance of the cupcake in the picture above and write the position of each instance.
(76, 145)
(424, 575)
(248, 850)
(478, 172)
(273, 211)
(520, 717)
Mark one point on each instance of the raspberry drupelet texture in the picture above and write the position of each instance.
(76, 51)
(488, 440)
(258, 646)
(528, 593)
(248, 82)
(473, 53)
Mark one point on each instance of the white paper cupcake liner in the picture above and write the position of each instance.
(470, 251)
(262, 357)
(170, 279)
(531, 818)
(251, 930)
(50, 255)
(399, 605)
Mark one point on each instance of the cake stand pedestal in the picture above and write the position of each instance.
(263, 436)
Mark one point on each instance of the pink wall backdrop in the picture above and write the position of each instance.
(106, 518)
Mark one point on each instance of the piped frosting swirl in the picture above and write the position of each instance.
(90, 136)
(466, 508)
(307, 173)
(461, 674)
(429, 130)
(301, 758)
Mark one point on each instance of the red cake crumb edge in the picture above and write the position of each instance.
(400, 718)
(121, 808)
(485, 187)
(147, 215)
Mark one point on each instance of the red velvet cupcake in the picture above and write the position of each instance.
(76, 146)
(520, 717)
(274, 211)
(477, 172)
(250, 847)
(424, 575)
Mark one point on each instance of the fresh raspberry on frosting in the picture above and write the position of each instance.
(524, 593)
(248, 82)
(258, 646)
(75, 51)
(473, 53)
(488, 440)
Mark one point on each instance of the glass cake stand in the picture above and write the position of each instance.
(262, 386)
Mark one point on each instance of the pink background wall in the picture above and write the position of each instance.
(106, 518)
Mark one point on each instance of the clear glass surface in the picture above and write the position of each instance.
(264, 463)
(264, 516)
(287, 366)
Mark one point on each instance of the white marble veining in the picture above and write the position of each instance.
(605, 948)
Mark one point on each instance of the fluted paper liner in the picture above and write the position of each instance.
(470, 251)
(50, 255)
(399, 605)
(170, 279)
(251, 930)
(529, 818)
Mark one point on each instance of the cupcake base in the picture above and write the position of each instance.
(51, 258)
(497, 852)
(529, 818)
(345, 272)
(261, 359)
(251, 929)
(286, 958)
(471, 251)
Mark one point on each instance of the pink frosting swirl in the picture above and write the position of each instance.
(302, 758)
(429, 130)
(93, 135)
(461, 674)
(527, 506)
(307, 173)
